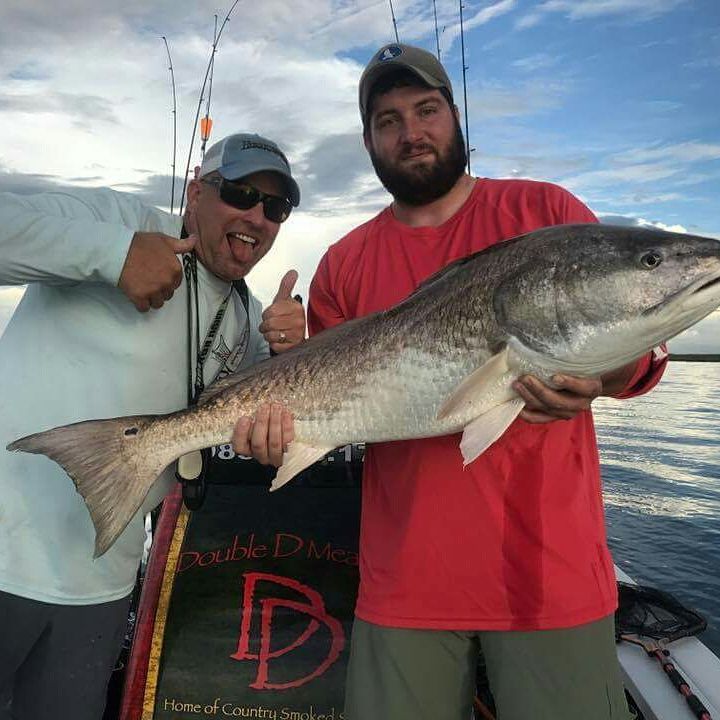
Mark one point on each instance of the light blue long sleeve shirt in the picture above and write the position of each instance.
(77, 349)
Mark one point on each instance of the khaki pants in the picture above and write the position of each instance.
(568, 674)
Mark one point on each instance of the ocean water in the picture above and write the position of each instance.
(660, 456)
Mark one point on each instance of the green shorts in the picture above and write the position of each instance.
(402, 674)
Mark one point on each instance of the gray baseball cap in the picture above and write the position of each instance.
(397, 56)
(243, 154)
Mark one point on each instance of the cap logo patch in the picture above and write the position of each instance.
(389, 53)
(253, 145)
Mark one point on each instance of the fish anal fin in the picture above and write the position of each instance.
(298, 457)
(479, 383)
(484, 430)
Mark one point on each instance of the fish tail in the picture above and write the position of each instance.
(113, 464)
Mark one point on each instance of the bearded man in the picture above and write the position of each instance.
(507, 556)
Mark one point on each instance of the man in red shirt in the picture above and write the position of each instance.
(507, 556)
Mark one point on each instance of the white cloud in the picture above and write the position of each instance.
(629, 10)
(539, 61)
(101, 113)
(416, 22)
(530, 164)
(312, 97)
(639, 222)
(528, 21)
(644, 198)
(686, 152)
(481, 17)
(300, 244)
(581, 9)
(495, 100)
(641, 173)
(656, 175)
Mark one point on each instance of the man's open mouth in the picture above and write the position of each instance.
(242, 237)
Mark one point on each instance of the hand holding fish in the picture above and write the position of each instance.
(569, 395)
(283, 322)
(152, 272)
(544, 404)
(266, 436)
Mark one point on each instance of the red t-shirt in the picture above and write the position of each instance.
(515, 541)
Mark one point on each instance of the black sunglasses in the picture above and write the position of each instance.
(244, 196)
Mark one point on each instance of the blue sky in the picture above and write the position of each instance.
(616, 103)
(615, 99)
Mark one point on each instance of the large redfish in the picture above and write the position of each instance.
(576, 299)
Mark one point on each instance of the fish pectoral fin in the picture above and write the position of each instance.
(298, 457)
(476, 385)
(484, 430)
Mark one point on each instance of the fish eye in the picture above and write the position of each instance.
(651, 259)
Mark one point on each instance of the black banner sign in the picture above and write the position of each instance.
(261, 606)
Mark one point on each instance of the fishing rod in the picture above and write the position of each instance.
(392, 13)
(662, 655)
(206, 122)
(653, 619)
(464, 69)
(202, 95)
(437, 35)
(174, 114)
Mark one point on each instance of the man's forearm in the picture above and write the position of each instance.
(58, 241)
(615, 381)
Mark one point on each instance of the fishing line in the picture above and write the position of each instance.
(206, 122)
(392, 14)
(174, 114)
(437, 35)
(202, 93)
(464, 69)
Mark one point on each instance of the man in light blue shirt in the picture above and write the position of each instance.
(102, 331)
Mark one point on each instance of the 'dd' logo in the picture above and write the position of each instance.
(390, 52)
(282, 618)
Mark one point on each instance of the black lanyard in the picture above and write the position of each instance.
(192, 476)
(195, 389)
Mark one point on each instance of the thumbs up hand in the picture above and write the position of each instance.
(283, 322)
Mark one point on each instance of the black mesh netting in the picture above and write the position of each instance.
(652, 613)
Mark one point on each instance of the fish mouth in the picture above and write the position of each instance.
(709, 283)
(704, 291)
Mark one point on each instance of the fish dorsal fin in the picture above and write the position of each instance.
(478, 384)
(221, 385)
(482, 432)
(298, 457)
(441, 274)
